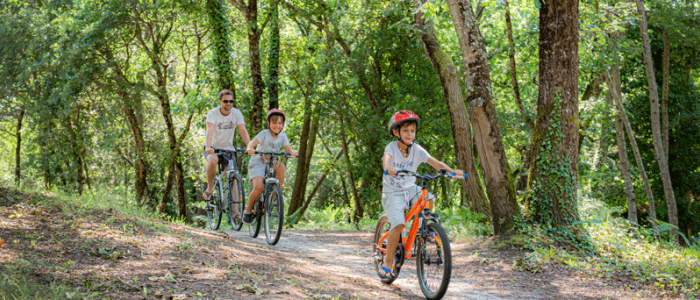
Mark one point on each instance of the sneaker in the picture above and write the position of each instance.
(247, 219)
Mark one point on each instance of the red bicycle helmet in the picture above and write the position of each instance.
(401, 117)
(273, 112)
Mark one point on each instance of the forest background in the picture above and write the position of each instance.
(111, 96)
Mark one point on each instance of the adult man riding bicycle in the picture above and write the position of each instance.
(221, 128)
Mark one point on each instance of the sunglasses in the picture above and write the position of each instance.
(227, 101)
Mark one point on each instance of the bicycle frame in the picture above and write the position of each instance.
(412, 213)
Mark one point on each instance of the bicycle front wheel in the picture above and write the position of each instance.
(254, 227)
(434, 262)
(214, 207)
(274, 215)
(236, 202)
(383, 227)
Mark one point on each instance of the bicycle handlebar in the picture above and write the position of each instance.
(217, 151)
(283, 154)
(427, 176)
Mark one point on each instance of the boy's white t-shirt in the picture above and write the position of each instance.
(224, 127)
(267, 143)
(416, 156)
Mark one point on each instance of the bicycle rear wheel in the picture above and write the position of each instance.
(254, 227)
(274, 215)
(236, 202)
(434, 262)
(214, 207)
(383, 227)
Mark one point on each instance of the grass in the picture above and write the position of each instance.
(15, 286)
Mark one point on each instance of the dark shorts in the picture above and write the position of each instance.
(223, 159)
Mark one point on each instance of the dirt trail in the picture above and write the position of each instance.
(343, 261)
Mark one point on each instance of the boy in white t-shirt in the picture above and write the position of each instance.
(400, 193)
(268, 140)
(222, 122)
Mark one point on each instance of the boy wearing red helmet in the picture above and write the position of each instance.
(268, 140)
(399, 193)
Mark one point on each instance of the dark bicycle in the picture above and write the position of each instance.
(227, 193)
(270, 204)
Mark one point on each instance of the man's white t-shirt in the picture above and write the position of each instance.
(416, 156)
(267, 143)
(224, 127)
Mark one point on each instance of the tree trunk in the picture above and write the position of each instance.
(250, 12)
(461, 131)
(554, 145)
(18, 148)
(624, 164)
(306, 148)
(513, 73)
(614, 83)
(655, 124)
(500, 189)
(359, 210)
(221, 45)
(274, 57)
(664, 96)
(316, 187)
(77, 166)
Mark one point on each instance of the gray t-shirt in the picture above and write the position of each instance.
(417, 156)
(267, 143)
(224, 127)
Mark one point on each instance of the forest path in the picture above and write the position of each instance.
(327, 264)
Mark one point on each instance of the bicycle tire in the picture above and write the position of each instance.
(214, 212)
(434, 263)
(274, 215)
(236, 198)
(254, 227)
(383, 226)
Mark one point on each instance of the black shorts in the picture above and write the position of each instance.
(223, 159)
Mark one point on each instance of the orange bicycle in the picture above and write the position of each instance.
(433, 258)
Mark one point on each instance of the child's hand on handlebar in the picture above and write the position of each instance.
(209, 151)
(250, 151)
(391, 171)
(459, 174)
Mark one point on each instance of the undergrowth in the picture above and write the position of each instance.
(618, 249)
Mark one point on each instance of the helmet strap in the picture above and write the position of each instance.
(408, 146)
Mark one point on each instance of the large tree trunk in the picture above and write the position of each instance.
(250, 12)
(461, 131)
(655, 124)
(624, 163)
(554, 145)
(614, 83)
(18, 147)
(499, 187)
(221, 45)
(274, 56)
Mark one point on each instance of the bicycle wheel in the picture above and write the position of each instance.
(274, 215)
(383, 227)
(214, 206)
(434, 263)
(236, 202)
(254, 227)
